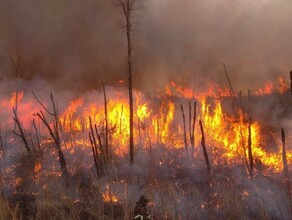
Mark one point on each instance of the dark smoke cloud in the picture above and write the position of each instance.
(71, 43)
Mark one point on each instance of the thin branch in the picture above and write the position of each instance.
(42, 104)
(231, 88)
(14, 132)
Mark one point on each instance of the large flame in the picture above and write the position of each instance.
(226, 133)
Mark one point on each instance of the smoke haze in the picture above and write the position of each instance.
(71, 43)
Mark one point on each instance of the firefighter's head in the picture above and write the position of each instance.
(143, 200)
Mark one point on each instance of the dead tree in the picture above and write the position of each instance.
(291, 82)
(139, 132)
(184, 124)
(190, 121)
(239, 105)
(158, 130)
(97, 161)
(284, 157)
(230, 85)
(128, 8)
(100, 144)
(204, 148)
(250, 156)
(36, 135)
(106, 122)
(1, 144)
(71, 129)
(285, 166)
(192, 124)
(21, 131)
(121, 118)
(54, 131)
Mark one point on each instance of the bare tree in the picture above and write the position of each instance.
(106, 121)
(21, 131)
(129, 7)
(54, 131)
(291, 82)
(204, 148)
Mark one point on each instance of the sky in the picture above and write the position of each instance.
(70, 44)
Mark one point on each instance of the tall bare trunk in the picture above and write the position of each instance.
(130, 78)
(204, 148)
(55, 134)
(1, 144)
(36, 135)
(250, 157)
(158, 130)
(185, 132)
(284, 158)
(192, 124)
(106, 122)
(21, 132)
(291, 82)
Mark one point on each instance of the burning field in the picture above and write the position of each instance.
(239, 169)
(102, 102)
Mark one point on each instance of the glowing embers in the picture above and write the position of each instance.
(108, 195)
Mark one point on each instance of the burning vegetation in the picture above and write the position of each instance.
(173, 135)
(198, 154)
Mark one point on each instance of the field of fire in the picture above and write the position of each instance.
(145, 109)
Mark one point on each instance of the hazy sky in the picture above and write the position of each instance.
(71, 43)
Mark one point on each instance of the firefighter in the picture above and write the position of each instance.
(140, 211)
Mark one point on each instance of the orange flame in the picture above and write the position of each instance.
(160, 122)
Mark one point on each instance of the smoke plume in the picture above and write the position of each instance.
(70, 44)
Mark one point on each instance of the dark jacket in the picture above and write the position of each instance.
(140, 211)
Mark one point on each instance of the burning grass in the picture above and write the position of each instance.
(165, 168)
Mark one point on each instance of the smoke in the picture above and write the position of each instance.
(71, 44)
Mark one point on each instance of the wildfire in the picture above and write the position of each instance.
(108, 196)
(37, 167)
(16, 97)
(226, 133)
(268, 89)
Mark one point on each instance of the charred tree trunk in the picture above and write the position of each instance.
(190, 121)
(100, 145)
(204, 148)
(139, 132)
(106, 121)
(36, 135)
(58, 140)
(121, 118)
(95, 156)
(1, 144)
(185, 132)
(291, 82)
(55, 135)
(284, 158)
(158, 131)
(97, 162)
(21, 132)
(54, 132)
(250, 157)
(128, 8)
(192, 126)
(285, 166)
(131, 102)
(71, 129)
